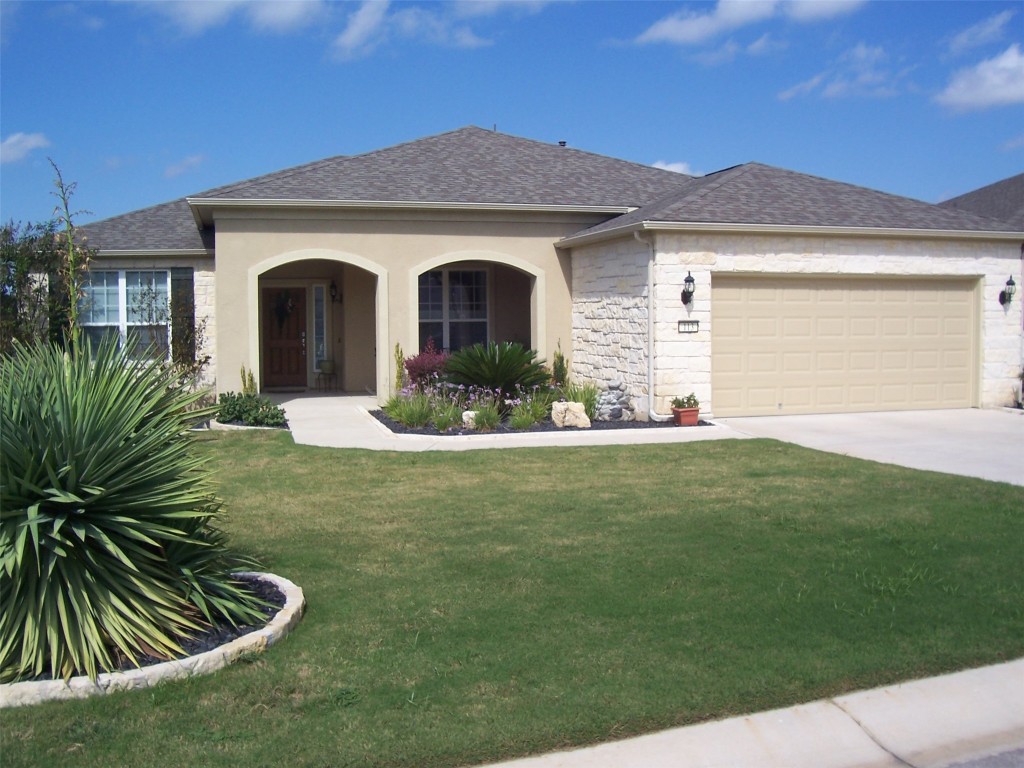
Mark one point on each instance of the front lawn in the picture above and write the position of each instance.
(475, 606)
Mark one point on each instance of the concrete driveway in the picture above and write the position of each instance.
(977, 443)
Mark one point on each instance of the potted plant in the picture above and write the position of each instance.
(686, 410)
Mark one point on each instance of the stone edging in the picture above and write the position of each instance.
(218, 426)
(37, 691)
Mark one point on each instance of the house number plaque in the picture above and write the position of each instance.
(689, 326)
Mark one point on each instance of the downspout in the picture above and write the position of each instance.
(650, 331)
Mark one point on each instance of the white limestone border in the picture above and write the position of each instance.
(37, 691)
(218, 426)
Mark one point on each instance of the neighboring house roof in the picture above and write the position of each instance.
(1003, 200)
(756, 194)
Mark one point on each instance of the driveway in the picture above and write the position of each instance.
(977, 443)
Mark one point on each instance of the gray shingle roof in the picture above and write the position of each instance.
(168, 226)
(469, 165)
(1003, 200)
(760, 194)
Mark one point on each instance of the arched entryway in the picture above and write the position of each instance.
(318, 322)
(470, 297)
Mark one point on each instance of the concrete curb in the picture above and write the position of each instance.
(924, 723)
(38, 691)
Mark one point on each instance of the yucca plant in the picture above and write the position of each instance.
(108, 547)
(506, 367)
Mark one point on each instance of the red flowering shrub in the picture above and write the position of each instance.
(426, 366)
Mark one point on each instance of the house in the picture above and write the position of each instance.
(809, 295)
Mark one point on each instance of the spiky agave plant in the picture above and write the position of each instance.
(107, 539)
(506, 366)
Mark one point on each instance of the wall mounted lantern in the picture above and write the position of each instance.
(334, 292)
(1006, 295)
(689, 286)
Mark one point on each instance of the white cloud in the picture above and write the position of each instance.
(690, 27)
(990, 83)
(364, 31)
(190, 162)
(814, 10)
(468, 9)
(373, 23)
(687, 27)
(1015, 143)
(984, 32)
(17, 146)
(860, 71)
(765, 44)
(194, 18)
(677, 168)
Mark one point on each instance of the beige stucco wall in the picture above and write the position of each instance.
(610, 306)
(381, 256)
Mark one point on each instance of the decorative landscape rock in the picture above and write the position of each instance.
(614, 403)
(469, 419)
(569, 415)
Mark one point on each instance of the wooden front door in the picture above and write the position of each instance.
(284, 337)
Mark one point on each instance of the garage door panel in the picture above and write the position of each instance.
(841, 344)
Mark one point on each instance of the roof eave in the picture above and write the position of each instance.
(202, 207)
(786, 229)
(154, 252)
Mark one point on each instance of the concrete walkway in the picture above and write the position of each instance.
(967, 719)
(973, 442)
(334, 421)
(971, 719)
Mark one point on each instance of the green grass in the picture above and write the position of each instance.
(476, 606)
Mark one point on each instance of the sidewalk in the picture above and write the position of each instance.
(953, 720)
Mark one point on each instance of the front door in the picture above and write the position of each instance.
(284, 337)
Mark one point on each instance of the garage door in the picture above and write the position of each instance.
(835, 345)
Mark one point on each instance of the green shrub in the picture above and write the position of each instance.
(559, 367)
(107, 536)
(530, 407)
(588, 394)
(413, 409)
(251, 410)
(504, 367)
(446, 414)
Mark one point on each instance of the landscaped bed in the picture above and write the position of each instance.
(472, 607)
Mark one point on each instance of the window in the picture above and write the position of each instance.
(319, 327)
(125, 303)
(453, 308)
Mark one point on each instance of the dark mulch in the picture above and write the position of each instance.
(216, 635)
(504, 429)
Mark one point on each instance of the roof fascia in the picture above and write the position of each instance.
(203, 206)
(782, 229)
(154, 252)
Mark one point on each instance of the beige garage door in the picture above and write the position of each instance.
(834, 345)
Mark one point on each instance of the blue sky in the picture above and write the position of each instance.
(144, 102)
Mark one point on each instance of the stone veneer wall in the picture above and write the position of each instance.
(204, 286)
(610, 301)
(683, 362)
(609, 316)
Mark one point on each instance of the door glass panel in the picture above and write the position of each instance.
(319, 326)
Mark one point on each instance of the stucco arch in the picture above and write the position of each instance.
(538, 296)
(327, 254)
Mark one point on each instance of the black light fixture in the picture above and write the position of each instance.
(689, 286)
(1006, 295)
(334, 292)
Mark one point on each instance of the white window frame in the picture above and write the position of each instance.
(446, 319)
(124, 325)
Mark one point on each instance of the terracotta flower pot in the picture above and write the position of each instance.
(686, 417)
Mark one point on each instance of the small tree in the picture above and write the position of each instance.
(31, 300)
(74, 256)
